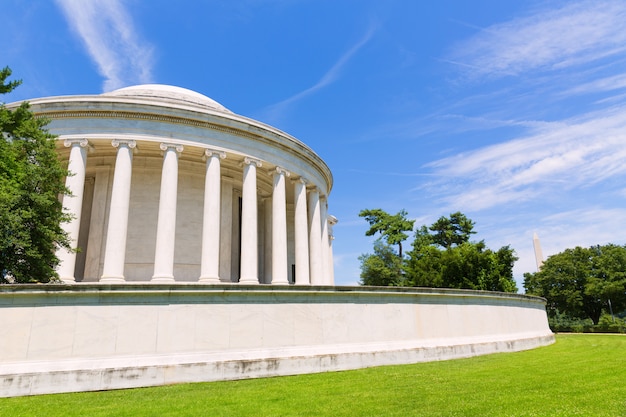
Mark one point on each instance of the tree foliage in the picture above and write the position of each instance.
(452, 231)
(466, 265)
(580, 282)
(31, 179)
(383, 268)
(391, 227)
(442, 256)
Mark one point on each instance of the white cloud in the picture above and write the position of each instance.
(108, 34)
(574, 153)
(575, 34)
(328, 78)
(581, 227)
(584, 226)
(614, 82)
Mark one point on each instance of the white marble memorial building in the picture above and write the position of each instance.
(168, 185)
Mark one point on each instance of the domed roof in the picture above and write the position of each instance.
(168, 93)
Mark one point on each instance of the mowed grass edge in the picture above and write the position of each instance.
(580, 375)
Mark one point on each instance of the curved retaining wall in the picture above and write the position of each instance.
(66, 338)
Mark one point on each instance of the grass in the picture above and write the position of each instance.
(580, 375)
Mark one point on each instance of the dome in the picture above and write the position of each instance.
(169, 94)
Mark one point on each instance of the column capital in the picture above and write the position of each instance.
(132, 144)
(249, 161)
(164, 146)
(279, 171)
(83, 143)
(332, 220)
(300, 180)
(208, 153)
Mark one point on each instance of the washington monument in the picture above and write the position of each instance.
(538, 253)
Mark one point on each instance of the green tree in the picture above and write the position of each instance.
(391, 227)
(453, 230)
(442, 256)
(580, 282)
(382, 268)
(31, 179)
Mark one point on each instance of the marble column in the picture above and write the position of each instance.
(75, 183)
(280, 268)
(210, 261)
(315, 238)
(226, 230)
(249, 223)
(115, 249)
(166, 223)
(301, 233)
(324, 242)
(95, 243)
(332, 220)
(267, 240)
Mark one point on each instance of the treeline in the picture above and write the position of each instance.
(441, 255)
(585, 288)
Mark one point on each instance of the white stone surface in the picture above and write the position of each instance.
(316, 262)
(167, 93)
(115, 249)
(210, 265)
(72, 204)
(141, 118)
(301, 240)
(60, 338)
(249, 223)
(166, 225)
(280, 274)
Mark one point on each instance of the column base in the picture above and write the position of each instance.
(162, 280)
(280, 282)
(112, 279)
(209, 280)
(68, 280)
(249, 281)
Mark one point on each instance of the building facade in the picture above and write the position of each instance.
(168, 185)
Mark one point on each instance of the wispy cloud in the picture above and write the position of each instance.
(108, 33)
(580, 227)
(575, 34)
(573, 153)
(610, 83)
(328, 78)
(551, 56)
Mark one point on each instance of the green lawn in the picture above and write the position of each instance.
(580, 375)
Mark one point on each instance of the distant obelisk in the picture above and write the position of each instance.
(538, 253)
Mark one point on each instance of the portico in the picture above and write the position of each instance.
(169, 186)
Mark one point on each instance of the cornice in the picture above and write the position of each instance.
(309, 155)
(133, 115)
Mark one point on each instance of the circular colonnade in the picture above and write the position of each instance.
(170, 186)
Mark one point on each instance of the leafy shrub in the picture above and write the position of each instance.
(608, 324)
(562, 323)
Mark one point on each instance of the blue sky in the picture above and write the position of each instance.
(512, 112)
